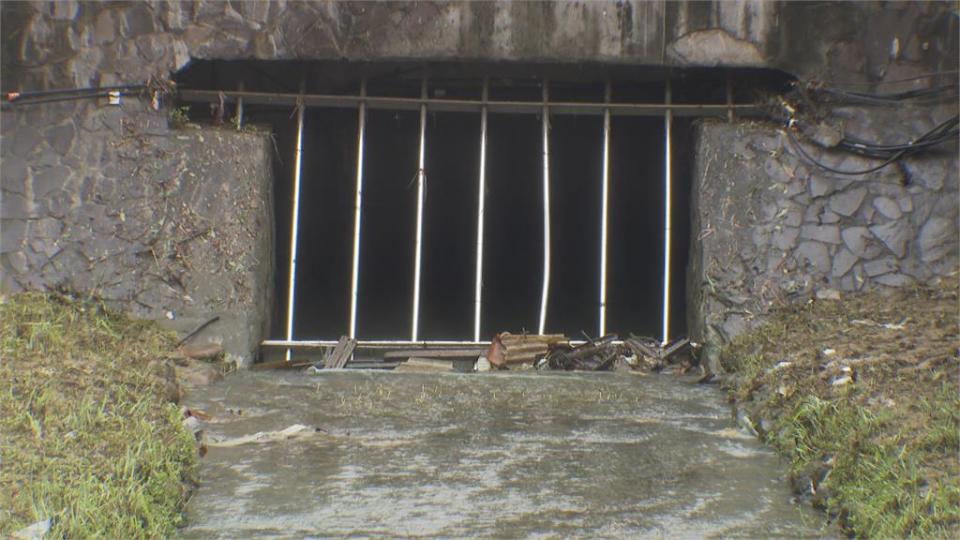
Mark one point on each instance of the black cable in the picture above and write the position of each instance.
(907, 79)
(939, 134)
(56, 91)
(810, 158)
(37, 101)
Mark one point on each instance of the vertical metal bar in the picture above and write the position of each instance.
(481, 197)
(546, 207)
(668, 215)
(240, 107)
(357, 207)
(729, 96)
(604, 213)
(294, 225)
(418, 243)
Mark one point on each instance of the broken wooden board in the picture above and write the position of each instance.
(341, 353)
(437, 353)
(424, 365)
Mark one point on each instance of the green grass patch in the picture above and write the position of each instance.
(880, 452)
(88, 437)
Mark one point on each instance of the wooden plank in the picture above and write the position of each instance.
(424, 365)
(438, 353)
(341, 354)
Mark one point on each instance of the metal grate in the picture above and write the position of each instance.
(545, 108)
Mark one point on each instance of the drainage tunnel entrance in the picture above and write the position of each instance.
(443, 203)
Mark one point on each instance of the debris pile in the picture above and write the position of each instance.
(516, 351)
(554, 351)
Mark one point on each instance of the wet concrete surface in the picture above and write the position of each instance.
(486, 455)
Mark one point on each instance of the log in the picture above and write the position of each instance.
(532, 347)
(512, 339)
(424, 365)
(438, 353)
(523, 358)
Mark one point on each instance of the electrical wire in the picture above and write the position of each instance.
(895, 81)
(890, 153)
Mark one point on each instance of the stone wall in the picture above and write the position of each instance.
(174, 225)
(177, 223)
(769, 227)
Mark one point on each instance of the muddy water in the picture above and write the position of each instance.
(492, 455)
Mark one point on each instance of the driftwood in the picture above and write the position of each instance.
(436, 353)
(527, 348)
(655, 355)
(595, 355)
(341, 353)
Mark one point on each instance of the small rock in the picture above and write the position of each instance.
(822, 233)
(820, 186)
(858, 240)
(880, 267)
(34, 532)
(828, 294)
(815, 254)
(937, 239)
(848, 202)
(894, 235)
(843, 261)
(482, 365)
(894, 280)
(785, 238)
(888, 207)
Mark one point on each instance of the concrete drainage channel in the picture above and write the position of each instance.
(498, 454)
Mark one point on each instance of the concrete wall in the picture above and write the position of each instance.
(69, 43)
(771, 228)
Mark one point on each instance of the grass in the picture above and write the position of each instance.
(881, 451)
(88, 436)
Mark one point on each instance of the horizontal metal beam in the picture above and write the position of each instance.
(466, 105)
(385, 343)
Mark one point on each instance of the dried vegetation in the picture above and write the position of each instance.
(862, 395)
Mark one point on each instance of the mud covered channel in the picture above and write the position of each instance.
(492, 455)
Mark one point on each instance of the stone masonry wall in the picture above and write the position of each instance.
(769, 227)
(177, 223)
(173, 225)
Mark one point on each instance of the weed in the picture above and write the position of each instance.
(179, 116)
(880, 451)
(86, 437)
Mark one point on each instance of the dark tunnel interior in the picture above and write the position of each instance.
(513, 233)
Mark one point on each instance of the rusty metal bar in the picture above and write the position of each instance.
(383, 343)
(466, 105)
